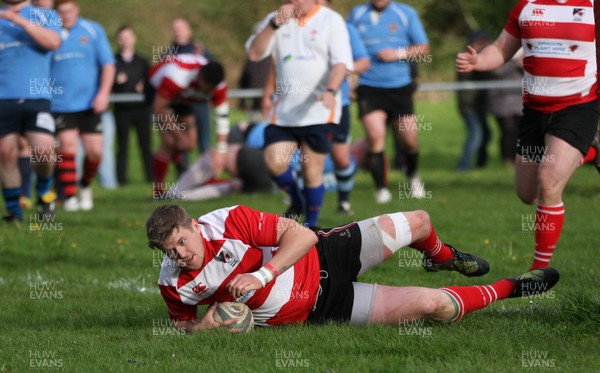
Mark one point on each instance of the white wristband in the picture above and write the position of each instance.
(222, 147)
(263, 275)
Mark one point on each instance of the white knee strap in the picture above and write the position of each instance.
(402, 229)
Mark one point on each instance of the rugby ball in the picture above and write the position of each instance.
(235, 310)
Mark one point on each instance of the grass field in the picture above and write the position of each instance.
(81, 296)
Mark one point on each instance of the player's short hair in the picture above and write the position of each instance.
(163, 221)
(212, 73)
(58, 3)
(123, 28)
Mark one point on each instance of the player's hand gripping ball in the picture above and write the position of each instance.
(235, 310)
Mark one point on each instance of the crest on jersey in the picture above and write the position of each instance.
(538, 12)
(84, 40)
(578, 14)
(573, 48)
(200, 289)
(226, 257)
(393, 27)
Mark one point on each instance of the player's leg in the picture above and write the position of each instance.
(280, 145)
(10, 178)
(24, 163)
(312, 159)
(198, 174)
(558, 164)
(39, 130)
(376, 162)
(186, 133)
(345, 167)
(92, 147)
(67, 129)
(373, 115)
(144, 135)
(384, 235)
(376, 304)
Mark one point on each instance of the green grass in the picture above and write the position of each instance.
(106, 301)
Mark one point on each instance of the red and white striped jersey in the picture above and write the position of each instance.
(239, 240)
(559, 57)
(175, 79)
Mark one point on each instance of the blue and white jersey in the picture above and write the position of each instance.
(358, 51)
(397, 26)
(77, 64)
(24, 65)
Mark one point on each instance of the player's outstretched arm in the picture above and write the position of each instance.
(294, 241)
(207, 322)
(491, 57)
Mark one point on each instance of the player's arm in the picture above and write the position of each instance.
(294, 241)
(261, 42)
(45, 38)
(491, 57)
(107, 78)
(337, 76)
(361, 65)
(207, 322)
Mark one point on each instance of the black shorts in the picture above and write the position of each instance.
(339, 258)
(394, 101)
(85, 121)
(253, 170)
(182, 110)
(20, 116)
(342, 130)
(318, 137)
(576, 125)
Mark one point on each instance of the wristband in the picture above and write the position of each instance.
(333, 91)
(273, 23)
(263, 275)
(222, 147)
(272, 269)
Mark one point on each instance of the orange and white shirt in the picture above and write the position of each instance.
(174, 78)
(558, 39)
(304, 51)
(240, 240)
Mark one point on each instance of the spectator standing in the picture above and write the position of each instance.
(131, 77)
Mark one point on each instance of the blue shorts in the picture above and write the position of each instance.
(341, 132)
(21, 115)
(318, 137)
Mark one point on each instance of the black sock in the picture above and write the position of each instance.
(377, 165)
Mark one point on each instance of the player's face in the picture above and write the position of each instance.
(380, 4)
(68, 12)
(46, 4)
(185, 246)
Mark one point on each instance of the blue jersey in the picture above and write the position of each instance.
(24, 65)
(398, 26)
(77, 65)
(358, 51)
